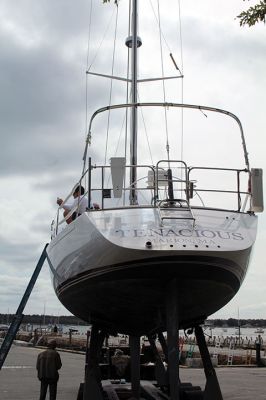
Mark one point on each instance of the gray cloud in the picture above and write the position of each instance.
(20, 259)
(42, 111)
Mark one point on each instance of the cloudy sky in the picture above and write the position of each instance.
(43, 60)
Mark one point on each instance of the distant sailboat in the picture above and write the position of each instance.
(259, 330)
(238, 330)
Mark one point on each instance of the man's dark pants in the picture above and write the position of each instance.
(52, 388)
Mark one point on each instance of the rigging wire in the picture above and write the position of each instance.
(146, 132)
(111, 86)
(91, 64)
(87, 64)
(163, 84)
(101, 43)
(179, 69)
(125, 119)
(120, 134)
(86, 84)
(166, 43)
(182, 80)
(88, 137)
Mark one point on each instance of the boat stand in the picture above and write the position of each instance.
(212, 387)
(92, 388)
(160, 372)
(134, 344)
(173, 339)
(176, 389)
(168, 385)
(18, 317)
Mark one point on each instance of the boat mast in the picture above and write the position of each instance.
(134, 42)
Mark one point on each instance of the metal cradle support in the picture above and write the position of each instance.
(176, 389)
(134, 344)
(163, 343)
(212, 388)
(93, 389)
(160, 372)
(14, 326)
(173, 339)
(92, 382)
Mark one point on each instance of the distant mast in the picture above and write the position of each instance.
(134, 42)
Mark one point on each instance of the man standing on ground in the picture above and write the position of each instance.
(48, 364)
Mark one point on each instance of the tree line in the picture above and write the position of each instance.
(249, 17)
(234, 322)
(38, 319)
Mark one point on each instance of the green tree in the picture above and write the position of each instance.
(250, 17)
(253, 14)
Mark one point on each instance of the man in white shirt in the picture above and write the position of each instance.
(79, 205)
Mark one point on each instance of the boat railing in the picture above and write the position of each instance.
(233, 179)
(223, 188)
(167, 180)
(105, 187)
(164, 186)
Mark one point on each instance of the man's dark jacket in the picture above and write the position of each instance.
(48, 364)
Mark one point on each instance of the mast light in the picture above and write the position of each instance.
(129, 41)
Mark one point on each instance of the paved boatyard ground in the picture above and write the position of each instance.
(18, 379)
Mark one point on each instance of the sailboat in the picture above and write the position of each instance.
(259, 330)
(160, 225)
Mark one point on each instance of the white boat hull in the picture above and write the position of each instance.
(113, 267)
